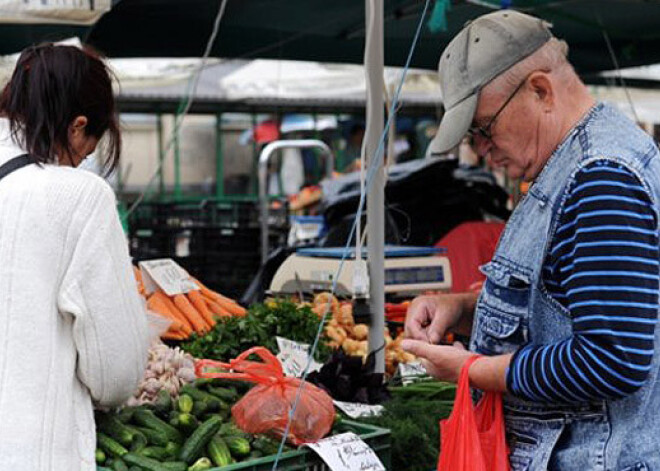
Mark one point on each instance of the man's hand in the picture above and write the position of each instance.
(429, 317)
(443, 362)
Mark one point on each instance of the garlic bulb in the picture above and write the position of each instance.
(168, 369)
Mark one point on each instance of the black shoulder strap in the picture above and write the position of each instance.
(14, 164)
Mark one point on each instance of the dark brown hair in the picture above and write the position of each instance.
(49, 88)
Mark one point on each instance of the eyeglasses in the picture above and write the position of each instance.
(485, 131)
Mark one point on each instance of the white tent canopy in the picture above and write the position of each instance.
(80, 12)
(298, 79)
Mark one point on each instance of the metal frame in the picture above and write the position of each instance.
(264, 158)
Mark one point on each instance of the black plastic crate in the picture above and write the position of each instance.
(205, 214)
(219, 243)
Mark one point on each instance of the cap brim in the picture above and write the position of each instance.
(455, 123)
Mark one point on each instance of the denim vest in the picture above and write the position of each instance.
(514, 309)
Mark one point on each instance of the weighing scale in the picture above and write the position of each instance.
(408, 271)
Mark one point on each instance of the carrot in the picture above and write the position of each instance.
(227, 303)
(138, 278)
(215, 307)
(230, 306)
(174, 336)
(167, 302)
(197, 300)
(205, 291)
(156, 304)
(191, 313)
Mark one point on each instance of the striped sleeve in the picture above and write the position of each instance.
(603, 266)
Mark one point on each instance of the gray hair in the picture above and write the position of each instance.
(551, 57)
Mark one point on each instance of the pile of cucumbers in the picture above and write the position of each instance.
(192, 433)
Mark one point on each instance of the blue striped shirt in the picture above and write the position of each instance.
(603, 266)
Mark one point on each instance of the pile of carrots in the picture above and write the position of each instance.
(196, 311)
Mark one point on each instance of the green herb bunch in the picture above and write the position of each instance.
(413, 416)
(231, 336)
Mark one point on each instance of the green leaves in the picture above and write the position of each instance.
(263, 322)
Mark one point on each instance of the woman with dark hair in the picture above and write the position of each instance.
(73, 328)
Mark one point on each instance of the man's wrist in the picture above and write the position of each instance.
(488, 373)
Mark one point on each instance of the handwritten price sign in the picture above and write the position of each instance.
(356, 410)
(294, 357)
(347, 452)
(165, 274)
(411, 371)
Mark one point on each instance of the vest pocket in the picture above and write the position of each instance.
(499, 332)
(505, 289)
(640, 466)
(531, 442)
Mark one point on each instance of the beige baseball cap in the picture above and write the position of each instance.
(482, 50)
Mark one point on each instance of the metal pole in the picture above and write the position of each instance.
(255, 157)
(373, 66)
(264, 158)
(161, 155)
(177, 166)
(219, 159)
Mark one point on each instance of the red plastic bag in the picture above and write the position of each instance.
(266, 407)
(472, 438)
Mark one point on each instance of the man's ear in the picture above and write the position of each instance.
(543, 89)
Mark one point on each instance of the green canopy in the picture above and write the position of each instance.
(333, 31)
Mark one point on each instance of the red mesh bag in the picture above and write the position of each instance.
(266, 407)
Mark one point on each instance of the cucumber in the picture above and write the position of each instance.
(126, 414)
(188, 423)
(146, 464)
(196, 443)
(163, 402)
(119, 465)
(99, 455)
(212, 402)
(175, 466)
(202, 382)
(185, 403)
(149, 420)
(154, 437)
(114, 428)
(132, 468)
(110, 446)
(230, 429)
(266, 445)
(173, 448)
(226, 394)
(200, 408)
(156, 452)
(201, 464)
(239, 447)
(139, 442)
(218, 451)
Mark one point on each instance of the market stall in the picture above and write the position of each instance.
(198, 407)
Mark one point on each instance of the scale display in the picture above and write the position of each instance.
(417, 275)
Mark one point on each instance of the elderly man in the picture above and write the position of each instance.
(567, 317)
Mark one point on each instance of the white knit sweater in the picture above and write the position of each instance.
(72, 326)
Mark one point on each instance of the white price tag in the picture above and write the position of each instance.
(347, 452)
(355, 410)
(410, 371)
(167, 275)
(294, 357)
